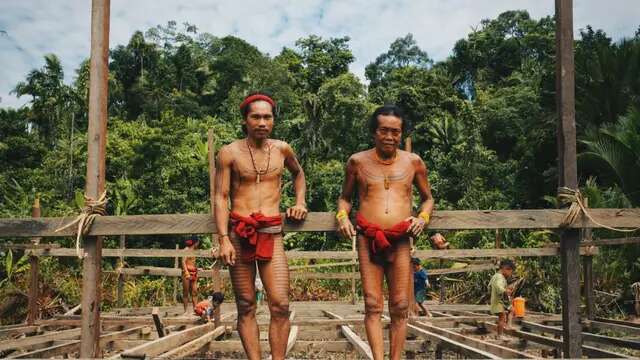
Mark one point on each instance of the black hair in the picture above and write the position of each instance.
(415, 261)
(217, 297)
(388, 109)
(507, 263)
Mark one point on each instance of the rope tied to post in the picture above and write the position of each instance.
(575, 200)
(92, 209)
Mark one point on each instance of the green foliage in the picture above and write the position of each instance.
(483, 120)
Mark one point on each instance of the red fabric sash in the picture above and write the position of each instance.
(193, 272)
(379, 238)
(255, 245)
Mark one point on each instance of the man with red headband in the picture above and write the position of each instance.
(384, 178)
(189, 275)
(249, 178)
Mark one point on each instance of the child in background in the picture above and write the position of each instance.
(205, 308)
(500, 294)
(420, 284)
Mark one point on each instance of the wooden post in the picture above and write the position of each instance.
(34, 288)
(175, 279)
(217, 279)
(587, 267)
(155, 313)
(121, 274)
(96, 150)
(567, 176)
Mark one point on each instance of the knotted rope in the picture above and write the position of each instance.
(577, 206)
(92, 209)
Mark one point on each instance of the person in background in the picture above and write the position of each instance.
(500, 294)
(420, 285)
(190, 275)
(205, 308)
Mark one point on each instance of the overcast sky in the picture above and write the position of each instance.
(34, 28)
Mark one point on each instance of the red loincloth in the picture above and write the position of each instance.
(256, 245)
(378, 237)
(193, 272)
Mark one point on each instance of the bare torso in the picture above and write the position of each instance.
(385, 191)
(247, 194)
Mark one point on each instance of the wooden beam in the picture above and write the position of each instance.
(544, 340)
(74, 310)
(610, 326)
(155, 314)
(39, 339)
(614, 241)
(316, 221)
(172, 341)
(72, 346)
(193, 346)
(454, 345)
(141, 253)
(96, 170)
(21, 330)
(587, 337)
(332, 255)
(568, 176)
(501, 351)
(360, 345)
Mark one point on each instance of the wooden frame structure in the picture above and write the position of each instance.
(318, 329)
(92, 343)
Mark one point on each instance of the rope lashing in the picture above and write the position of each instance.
(575, 200)
(92, 209)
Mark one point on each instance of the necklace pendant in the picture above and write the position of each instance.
(258, 179)
(386, 183)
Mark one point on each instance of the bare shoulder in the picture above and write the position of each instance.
(359, 157)
(283, 146)
(415, 159)
(226, 151)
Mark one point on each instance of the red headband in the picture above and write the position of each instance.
(249, 99)
(189, 242)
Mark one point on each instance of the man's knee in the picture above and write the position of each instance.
(399, 308)
(246, 306)
(279, 309)
(373, 304)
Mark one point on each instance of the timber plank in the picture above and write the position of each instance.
(316, 221)
(502, 351)
(193, 346)
(162, 345)
(360, 345)
(74, 346)
(587, 337)
(587, 350)
(39, 339)
(293, 255)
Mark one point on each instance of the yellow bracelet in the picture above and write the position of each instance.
(424, 216)
(342, 214)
